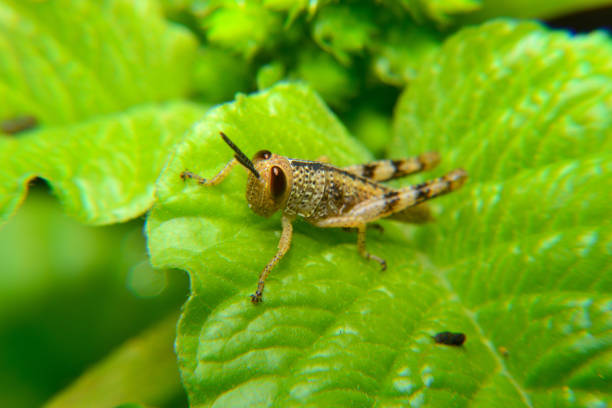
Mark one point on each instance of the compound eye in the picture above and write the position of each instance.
(262, 155)
(278, 182)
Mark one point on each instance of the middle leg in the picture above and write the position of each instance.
(361, 237)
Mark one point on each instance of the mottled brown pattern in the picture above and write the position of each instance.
(321, 190)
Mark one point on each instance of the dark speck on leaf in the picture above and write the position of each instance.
(18, 124)
(449, 339)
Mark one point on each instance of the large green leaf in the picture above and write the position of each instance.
(63, 61)
(529, 254)
(518, 260)
(81, 83)
(103, 170)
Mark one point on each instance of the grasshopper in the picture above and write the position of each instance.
(328, 196)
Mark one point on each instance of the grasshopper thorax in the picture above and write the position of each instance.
(270, 192)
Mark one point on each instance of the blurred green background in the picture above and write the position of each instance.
(70, 294)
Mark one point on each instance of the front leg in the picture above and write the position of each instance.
(213, 181)
(283, 247)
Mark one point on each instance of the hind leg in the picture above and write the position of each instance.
(392, 202)
(396, 200)
(383, 170)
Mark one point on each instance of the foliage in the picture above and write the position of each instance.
(103, 168)
(328, 311)
(69, 294)
(517, 259)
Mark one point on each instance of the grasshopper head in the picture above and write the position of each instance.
(270, 192)
(270, 179)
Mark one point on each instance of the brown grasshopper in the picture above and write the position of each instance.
(329, 196)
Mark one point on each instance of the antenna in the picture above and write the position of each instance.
(241, 157)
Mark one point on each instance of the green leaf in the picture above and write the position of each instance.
(269, 75)
(402, 51)
(295, 7)
(518, 260)
(526, 112)
(335, 83)
(357, 40)
(343, 30)
(243, 27)
(103, 170)
(530, 9)
(57, 68)
(442, 12)
(219, 75)
(144, 368)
